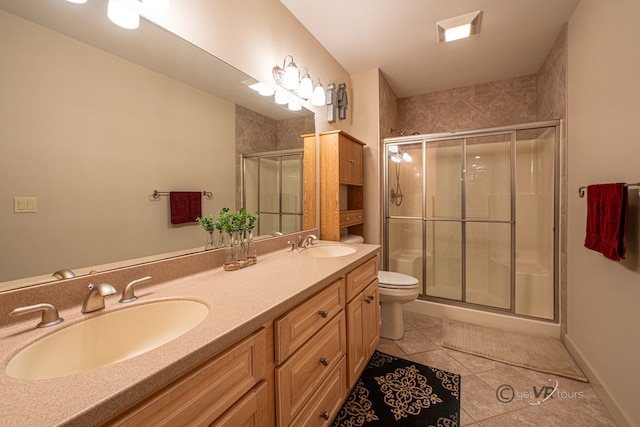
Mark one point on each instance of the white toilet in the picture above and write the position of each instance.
(395, 289)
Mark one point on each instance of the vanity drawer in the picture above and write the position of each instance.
(204, 394)
(327, 400)
(298, 325)
(301, 375)
(348, 218)
(360, 277)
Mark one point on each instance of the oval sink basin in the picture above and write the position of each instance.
(326, 251)
(107, 339)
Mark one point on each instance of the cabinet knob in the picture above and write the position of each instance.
(324, 415)
(369, 299)
(352, 161)
(323, 314)
(324, 361)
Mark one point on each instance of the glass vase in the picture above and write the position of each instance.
(210, 242)
(231, 249)
(250, 248)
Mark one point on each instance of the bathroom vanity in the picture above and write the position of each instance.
(283, 343)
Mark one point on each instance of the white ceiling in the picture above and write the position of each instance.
(399, 38)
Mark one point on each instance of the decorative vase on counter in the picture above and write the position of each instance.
(210, 242)
(231, 249)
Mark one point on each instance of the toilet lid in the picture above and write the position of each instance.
(391, 279)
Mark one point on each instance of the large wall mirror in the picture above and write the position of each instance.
(94, 118)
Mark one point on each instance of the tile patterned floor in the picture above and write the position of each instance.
(573, 404)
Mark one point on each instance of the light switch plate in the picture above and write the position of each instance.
(25, 204)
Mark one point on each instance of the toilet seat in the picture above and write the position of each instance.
(393, 280)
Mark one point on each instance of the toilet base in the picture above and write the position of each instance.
(392, 321)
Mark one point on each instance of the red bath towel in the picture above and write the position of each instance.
(607, 207)
(186, 206)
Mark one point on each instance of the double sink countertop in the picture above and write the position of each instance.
(239, 303)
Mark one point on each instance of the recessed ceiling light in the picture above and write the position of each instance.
(459, 27)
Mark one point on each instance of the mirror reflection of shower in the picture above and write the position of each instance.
(272, 188)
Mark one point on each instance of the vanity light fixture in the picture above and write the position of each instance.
(459, 27)
(299, 82)
(77, 1)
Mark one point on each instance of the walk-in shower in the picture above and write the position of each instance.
(272, 188)
(474, 216)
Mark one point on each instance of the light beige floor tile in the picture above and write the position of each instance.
(440, 360)
(465, 419)
(480, 400)
(421, 321)
(390, 347)
(475, 364)
(415, 342)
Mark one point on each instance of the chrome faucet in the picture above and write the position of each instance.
(127, 293)
(307, 241)
(49, 314)
(95, 298)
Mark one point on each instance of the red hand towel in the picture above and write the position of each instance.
(186, 206)
(607, 208)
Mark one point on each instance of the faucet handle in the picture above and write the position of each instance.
(49, 314)
(128, 294)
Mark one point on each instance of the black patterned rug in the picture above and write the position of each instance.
(397, 392)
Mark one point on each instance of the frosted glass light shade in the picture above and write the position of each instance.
(290, 79)
(306, 88)
(77, 1)
(122, 16)
(319, 97)
(294, 106)
(281, 99)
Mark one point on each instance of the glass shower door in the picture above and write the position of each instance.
(404, 204)
(488, 220)
(443, 219)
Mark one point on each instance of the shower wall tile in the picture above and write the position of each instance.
(552, 81)
(388, 108)
(257, 133)
(498, 103)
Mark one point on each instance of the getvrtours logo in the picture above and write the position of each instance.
(537, 395)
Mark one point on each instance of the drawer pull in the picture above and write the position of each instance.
(347, 219)
(324, 361)
(324, 415)
(323, 314)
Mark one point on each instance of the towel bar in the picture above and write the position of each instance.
(581, 190)
(157, 194)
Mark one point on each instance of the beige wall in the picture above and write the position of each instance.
(91, 136)
(603, 295)
(365, 113)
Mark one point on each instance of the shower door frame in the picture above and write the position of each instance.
(463, 135)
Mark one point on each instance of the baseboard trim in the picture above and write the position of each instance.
(601, 390)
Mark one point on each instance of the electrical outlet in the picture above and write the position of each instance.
(25, 204)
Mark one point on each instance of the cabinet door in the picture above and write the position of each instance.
(250, 411)
(351, 157)
(363, 330)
